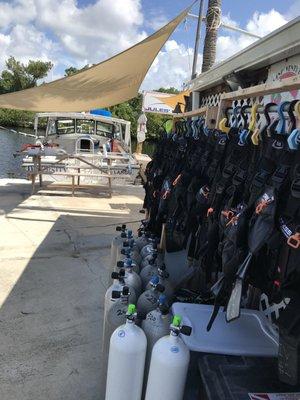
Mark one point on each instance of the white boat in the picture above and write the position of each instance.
(87, 142)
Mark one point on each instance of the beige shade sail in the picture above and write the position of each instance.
(111, 82)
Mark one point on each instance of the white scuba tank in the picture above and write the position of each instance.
(149, 249)
(151, 267)
(113, 317)
(117, 285)
(148, 300)
(148, 260)
(170, 359)
(116, 243)
(124, 258)
(156, 325)
(126, 362)
(163, 280)
(142, 239)
(131, 278)
(147, 273)
(127, 251)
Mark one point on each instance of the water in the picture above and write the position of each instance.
(11, 142)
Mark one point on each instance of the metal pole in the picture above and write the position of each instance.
(197, 41)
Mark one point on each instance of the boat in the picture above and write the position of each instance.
(88, 142)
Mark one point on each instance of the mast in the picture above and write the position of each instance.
(198, 38)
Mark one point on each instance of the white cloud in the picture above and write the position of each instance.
(172, 67)
(261, 24)
(16, 12)
(26, 43)
(95, 32)
(63, 32)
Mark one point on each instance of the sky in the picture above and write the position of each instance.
(80, 32)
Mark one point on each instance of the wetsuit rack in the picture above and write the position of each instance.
(226, 99)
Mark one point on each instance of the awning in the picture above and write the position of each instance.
(177, 99)
(108, 83)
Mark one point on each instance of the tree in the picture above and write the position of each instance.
(213, 18)
(18, 76)
(170, 90)
(71, 71)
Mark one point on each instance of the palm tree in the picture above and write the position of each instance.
(213, 19)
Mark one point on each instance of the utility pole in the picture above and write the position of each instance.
(198, 38)
(213, 22)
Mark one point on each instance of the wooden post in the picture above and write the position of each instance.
(73, 185)
(211, 117)
(139, 148)
(40, 170)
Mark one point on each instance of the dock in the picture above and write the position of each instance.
(54, 263)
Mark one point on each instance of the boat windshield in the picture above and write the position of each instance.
(65, 126)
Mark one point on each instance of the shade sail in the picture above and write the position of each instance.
(173, 101)
(108, 83)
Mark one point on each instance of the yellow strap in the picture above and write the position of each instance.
(297, 110)
(223, 127)
(255, 137)
(253, 117)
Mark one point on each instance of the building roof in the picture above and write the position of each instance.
(278, 45)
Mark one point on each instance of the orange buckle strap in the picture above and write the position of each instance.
(209, 211)
(166, 194)
(233, 220)
(227, 214)
(261, 206)
(176, 180)
(294, 240)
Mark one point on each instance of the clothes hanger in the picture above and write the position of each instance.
(281, 126)
(244, 132)
(252, 125)
(291, 108)
(236, 112)
(294, 137)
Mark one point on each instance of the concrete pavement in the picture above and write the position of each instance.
(54, 257)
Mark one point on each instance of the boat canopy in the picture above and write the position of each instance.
(105, 84)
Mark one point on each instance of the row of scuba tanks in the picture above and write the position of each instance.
(141, 339)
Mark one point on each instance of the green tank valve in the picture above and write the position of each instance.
(176, 320)
(131, 309)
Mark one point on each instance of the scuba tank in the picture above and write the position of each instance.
(114, 316)
(148, 272)
(156, 325)
(148, 300)
(149, 258)
(169, 360)
(131, 251)
(127, 352)
(117, 286)
(149, 248)
(131, 278)
(151, 267)
(134, 248)
(125, 257)
(117, 243)
(163, 276)
(142, 240)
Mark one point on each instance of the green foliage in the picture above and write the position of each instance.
(18, 76)
(131, 110)
(170, 90)
(71, 71)
(16, 118)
